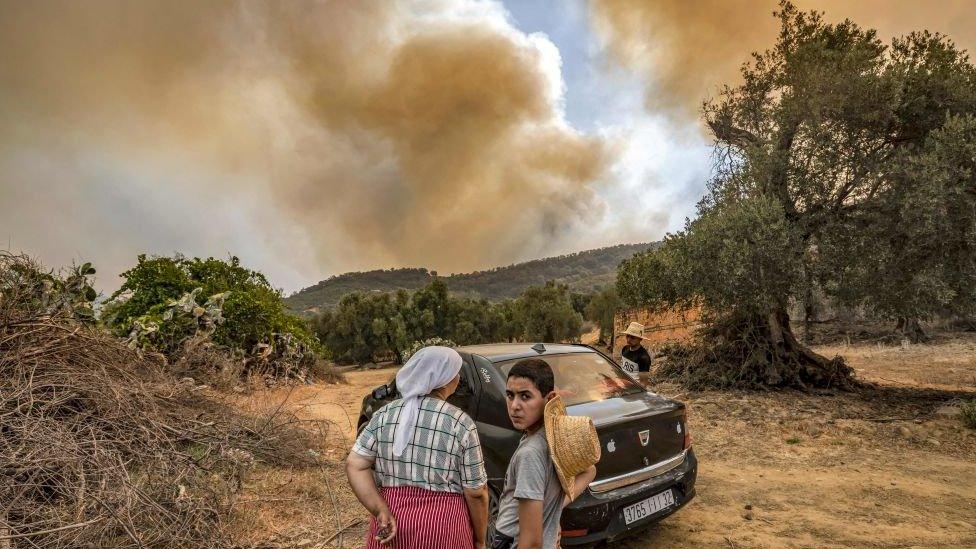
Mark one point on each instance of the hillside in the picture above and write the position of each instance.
(582, 271)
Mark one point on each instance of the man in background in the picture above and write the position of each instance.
(635, 359)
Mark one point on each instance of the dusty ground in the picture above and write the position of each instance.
(874, 469)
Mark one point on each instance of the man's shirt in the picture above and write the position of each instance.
(637, 358)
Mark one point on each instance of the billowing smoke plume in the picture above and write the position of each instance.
(689, 49)
(326, 136)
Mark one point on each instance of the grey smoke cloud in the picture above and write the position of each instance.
(309, 137)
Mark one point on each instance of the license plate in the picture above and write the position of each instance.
(648, 506)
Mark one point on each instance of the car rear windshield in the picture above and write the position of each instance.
(584, 377)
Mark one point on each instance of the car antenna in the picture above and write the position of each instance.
(539, 348)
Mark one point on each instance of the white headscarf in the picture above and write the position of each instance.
(428, 369)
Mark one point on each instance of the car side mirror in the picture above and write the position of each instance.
(381, 392)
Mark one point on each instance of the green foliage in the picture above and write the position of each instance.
(368, 325)
(182, 319)
(432, 307)
(365, 326)
(546, 313)
(27, 286)
(584, 272)
(149, 286)
(916, 254)
(510, 328)
(580, 301)
(602, 309)
(741, 255)
(175, 298)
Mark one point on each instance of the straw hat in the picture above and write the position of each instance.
(635, 329)
(573, 443)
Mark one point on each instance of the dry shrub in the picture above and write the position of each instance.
(969, 414)
(323, 370)
(209, 364)
(99, 447)
(218, 367)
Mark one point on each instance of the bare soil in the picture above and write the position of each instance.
(876, 468)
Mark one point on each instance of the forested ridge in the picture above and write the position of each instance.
(586, 271)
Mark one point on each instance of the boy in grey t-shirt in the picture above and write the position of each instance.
(532, 501)
(531, 476)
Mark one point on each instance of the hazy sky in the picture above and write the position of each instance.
(313, 138)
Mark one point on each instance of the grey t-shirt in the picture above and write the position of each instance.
(531, 475)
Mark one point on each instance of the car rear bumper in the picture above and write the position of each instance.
(602, 516)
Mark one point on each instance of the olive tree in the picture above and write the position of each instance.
(546, 313)
(602, 308)
(834, 166)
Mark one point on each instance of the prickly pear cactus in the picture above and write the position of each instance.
(183, 320)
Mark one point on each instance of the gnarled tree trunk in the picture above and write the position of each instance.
(754, 351)
(911, 329)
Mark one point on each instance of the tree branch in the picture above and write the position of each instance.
(724, 131)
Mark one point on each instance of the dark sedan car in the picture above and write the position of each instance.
(647, 470)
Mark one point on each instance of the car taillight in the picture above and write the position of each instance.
(684, 424)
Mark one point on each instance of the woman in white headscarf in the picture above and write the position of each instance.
(426, 457)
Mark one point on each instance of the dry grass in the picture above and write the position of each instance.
(948, 364)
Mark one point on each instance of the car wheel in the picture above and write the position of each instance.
(492, 512)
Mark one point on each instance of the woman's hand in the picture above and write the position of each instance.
(386, 528)
(477, 501)
(359, 469)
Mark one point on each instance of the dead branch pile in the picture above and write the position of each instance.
(100, 448)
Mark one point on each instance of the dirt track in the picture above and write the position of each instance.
(876, 469)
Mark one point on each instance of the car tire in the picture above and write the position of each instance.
(493, 498)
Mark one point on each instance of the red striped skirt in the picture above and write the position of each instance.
(425, 519)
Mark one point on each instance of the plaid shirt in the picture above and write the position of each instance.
(444, 455)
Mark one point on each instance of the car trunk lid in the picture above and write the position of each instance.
(636, 431)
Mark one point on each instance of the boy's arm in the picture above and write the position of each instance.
(580, 483)
(530, 524)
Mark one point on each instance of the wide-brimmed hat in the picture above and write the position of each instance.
(573, 443)
(635, 329)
